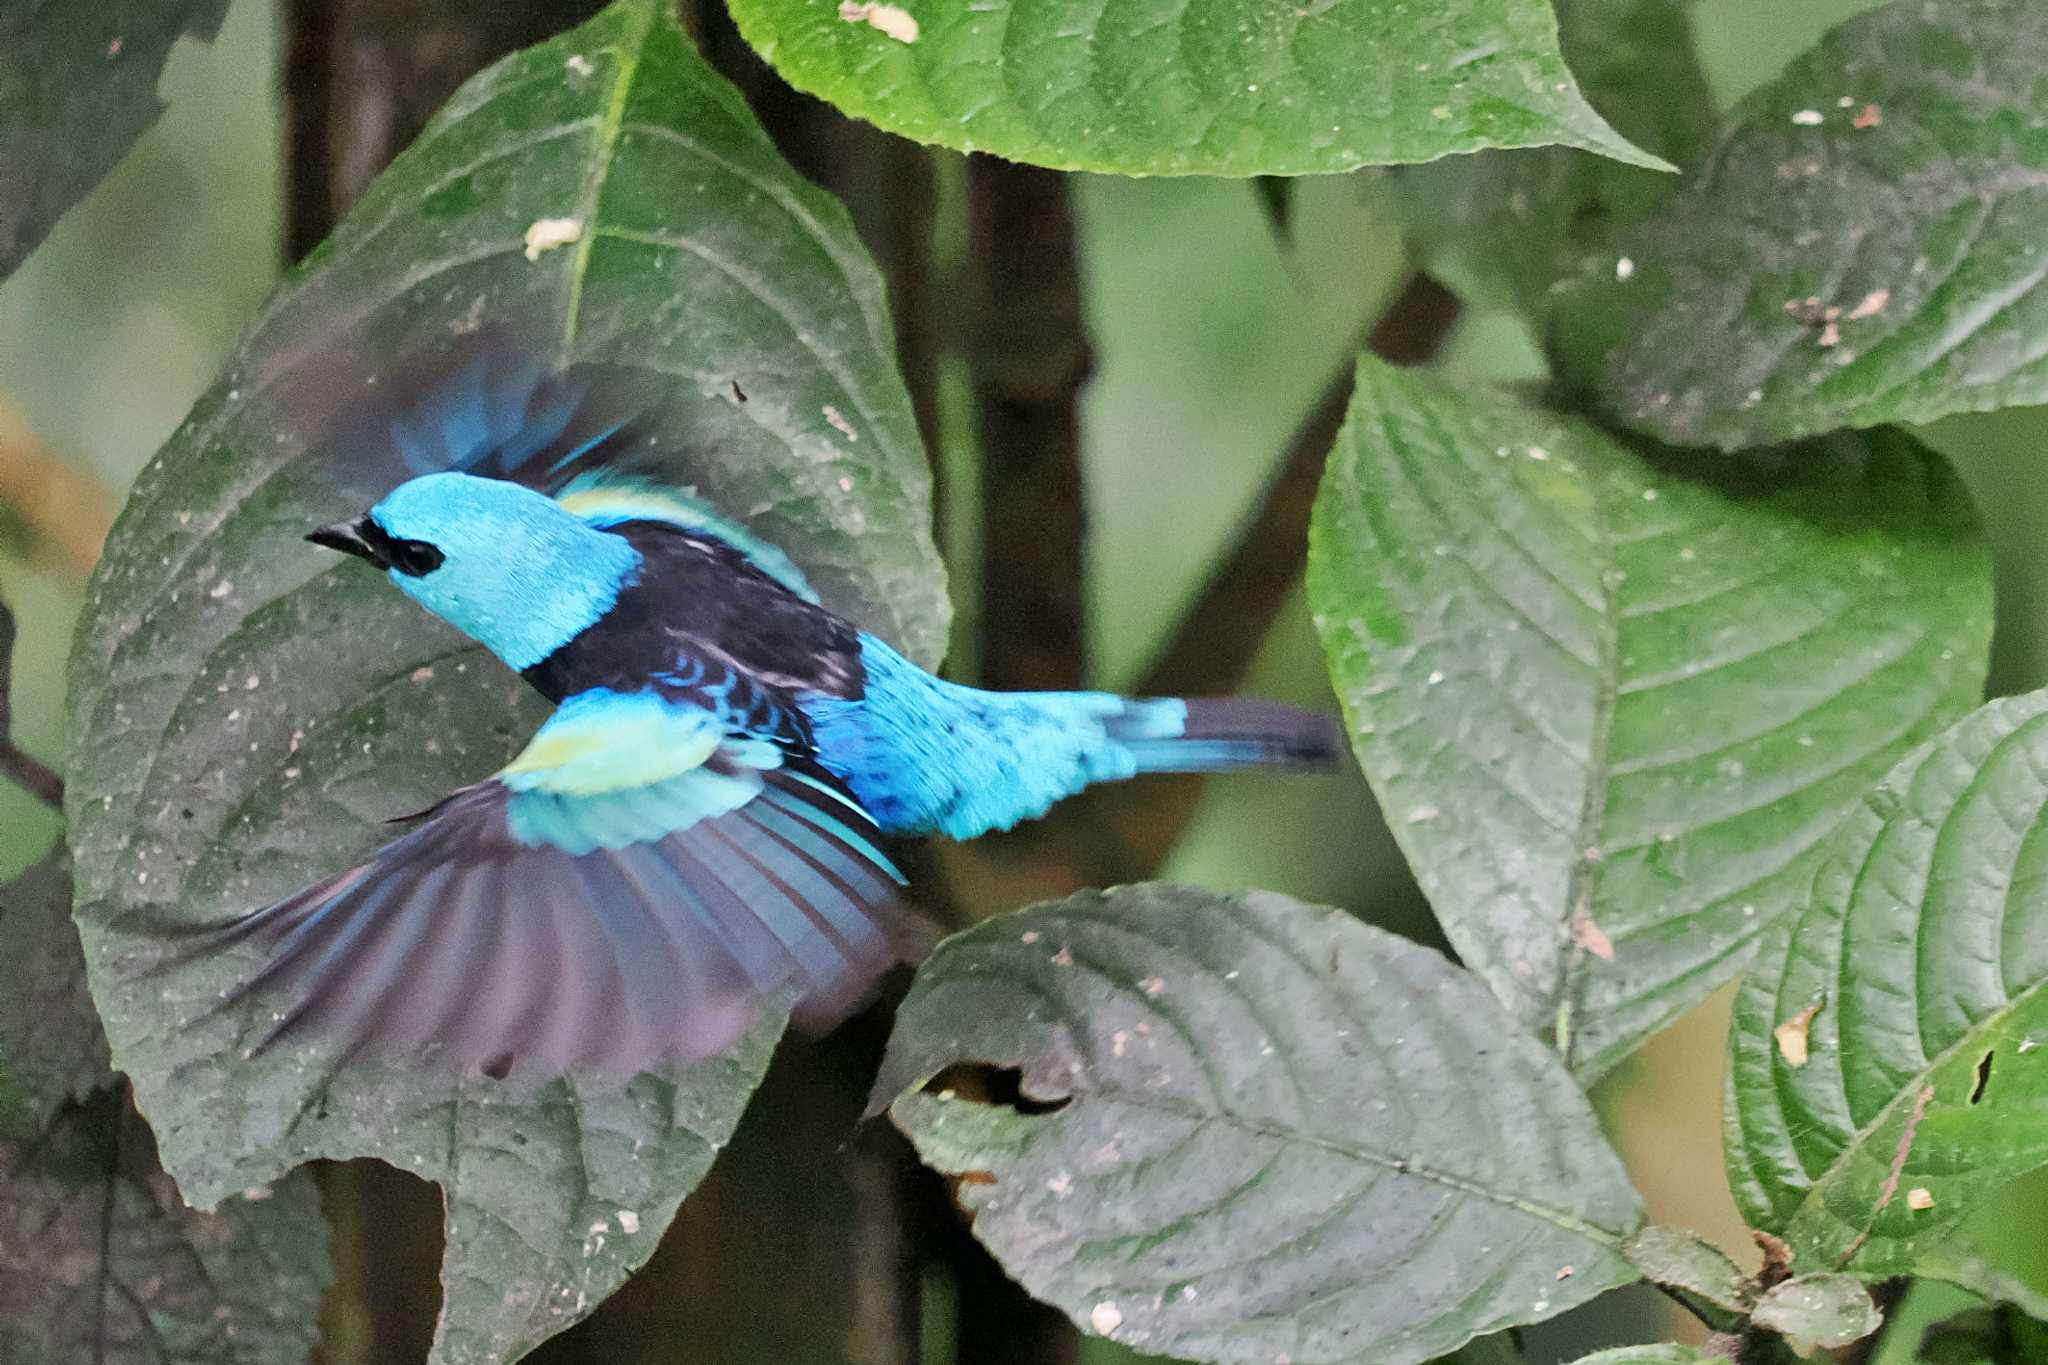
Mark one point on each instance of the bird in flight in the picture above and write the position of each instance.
(700, 823)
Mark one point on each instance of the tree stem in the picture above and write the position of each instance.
(362, 77)
(1029, 357)
(309, 52)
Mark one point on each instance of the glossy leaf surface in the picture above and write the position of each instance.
(1217, 87)
(1506, 225)
(1240, 1128)
(1862, 246)
(1826, 1309)
(1922, 954)
(1610, 706)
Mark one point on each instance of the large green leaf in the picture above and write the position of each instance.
(77, 87)
(99, 1258)
(1863, 245)
(1506, 224)
(1912, 994)
(248, 713)
(1218, 87)
(1611, 706)
(1246, 1129)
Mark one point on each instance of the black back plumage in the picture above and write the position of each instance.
(701, 623)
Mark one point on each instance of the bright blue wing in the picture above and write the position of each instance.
(616, 899)
(502, 411)
(494, 403)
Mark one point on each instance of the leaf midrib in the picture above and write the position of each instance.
(1969, 1039)
(632, 46)
(1584, 877)
(1966, 1041)
(1157, 1104)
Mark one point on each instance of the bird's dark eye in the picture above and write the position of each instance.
(415, 558)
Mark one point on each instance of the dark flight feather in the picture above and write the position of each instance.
(460, 943)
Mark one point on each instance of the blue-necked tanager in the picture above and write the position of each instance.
(700, 822)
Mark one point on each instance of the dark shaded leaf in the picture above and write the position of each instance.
(1997, 1334)
(1924, 946)
(1685, 1260)
(1498, 1349)
(765, 1261)
(52, 1049)
(1505, 225)
(99, 1258)
(1240, 1128)
(1863, 246)
(1612, 707)
(1225, 87)
(1819, 1310)
(77, 87)
(250, 711)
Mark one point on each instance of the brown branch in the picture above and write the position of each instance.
(886, 1269)
(888, 187)
(1029, 357)
(30, 772)
(1219, 635)
(1891, 1180)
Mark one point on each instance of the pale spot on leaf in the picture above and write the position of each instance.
(1592, 938)
(1792, 1035)
(548, 233)
(892, 20)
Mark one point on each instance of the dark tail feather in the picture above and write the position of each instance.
(1221, 733)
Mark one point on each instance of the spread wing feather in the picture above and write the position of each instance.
(641, 935)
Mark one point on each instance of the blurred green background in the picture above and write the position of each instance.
(1213, 339)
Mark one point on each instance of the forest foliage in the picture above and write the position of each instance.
(1665, 672)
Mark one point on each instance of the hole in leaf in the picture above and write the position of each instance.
(1983, 1077)
(984, 1084)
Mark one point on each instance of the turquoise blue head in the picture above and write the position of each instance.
(509, 567)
